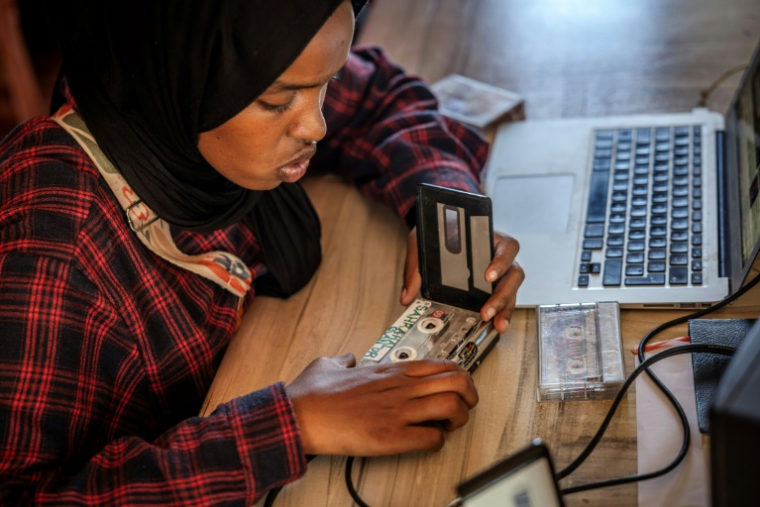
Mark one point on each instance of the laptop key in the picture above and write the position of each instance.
(679, 248)
(679, 236)
(619, 196)
(620, 186)
(612, 271)
(681, 171)
(583, 268)
(659, 198)
(624, 135)
(658, 243)
(660, 187)
(661, 147)
(650, 279)
(642, 171)
(617, 219)
(696, 240)
(617, 228)
(603, 153)
(696, 171)
(641, 180)
(639, 201)
(604, 134)
(676, 225)
(638, 212)
(697, 182)
(696, 216)
(621, 176)
(696, 227)
(643, 136)
(643, 150)
(661, 177)
(635, 246)
(681, 161)
(615, 240)
(634, 270)
(680, 213)
(594, 231)
(662, 133)
(638, 223)
(696, 193)
(679, 260)
(682, 141)
(696, 265)
(635, 258)
(640, 190)
(585, 255)
(656, 267)
(596, 268)
(597, 200)
(662, 156)
(617, 207)
(696, 278)
(681, 180)
(696, 253)
(696, 161)
(614, 253)
(681, 131)
(659, 220)
(659, 209)
(583, 281)
(657, 254)
(658, 232)
(678, 276)
(592, 244)
(623, 155)
(680, 151)
(680, 202)
(680, 191)
(697, 150)
(637, 235)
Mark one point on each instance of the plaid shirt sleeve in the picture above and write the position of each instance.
(385, 134)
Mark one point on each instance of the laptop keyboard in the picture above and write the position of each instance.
(644, 215)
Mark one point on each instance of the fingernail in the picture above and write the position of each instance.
(490, 313)
(492, 275)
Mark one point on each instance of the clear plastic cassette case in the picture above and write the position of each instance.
(580, 351)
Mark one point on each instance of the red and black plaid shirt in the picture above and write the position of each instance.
(107, 351)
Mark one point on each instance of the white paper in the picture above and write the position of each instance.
(660, 437)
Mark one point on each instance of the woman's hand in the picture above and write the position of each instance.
(379, 409)
(503, 268)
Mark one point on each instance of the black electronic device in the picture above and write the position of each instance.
(524, 479)
(735, 428)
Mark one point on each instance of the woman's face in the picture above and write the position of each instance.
(272, 139)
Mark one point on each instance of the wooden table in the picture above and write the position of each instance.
(567, 58)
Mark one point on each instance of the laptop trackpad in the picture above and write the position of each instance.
(532, 204)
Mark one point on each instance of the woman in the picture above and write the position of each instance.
(137, 222)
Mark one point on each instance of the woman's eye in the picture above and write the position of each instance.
(276, 108)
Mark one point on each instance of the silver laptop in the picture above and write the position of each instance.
(656, 211)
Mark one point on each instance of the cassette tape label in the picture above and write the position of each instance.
(393, 335)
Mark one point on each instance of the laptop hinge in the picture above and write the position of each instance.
(720, 156)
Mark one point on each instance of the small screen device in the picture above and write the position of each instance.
(524, 479)
(455, 246)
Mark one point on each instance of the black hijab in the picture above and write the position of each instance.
(149, 76)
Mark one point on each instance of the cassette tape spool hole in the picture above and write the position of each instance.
(403, 354)
(430, 325)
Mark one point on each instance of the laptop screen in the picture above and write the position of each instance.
(747, 114)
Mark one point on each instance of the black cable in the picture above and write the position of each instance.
(685, 349)
(350, 483)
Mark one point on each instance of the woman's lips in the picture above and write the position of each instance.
(293, 172)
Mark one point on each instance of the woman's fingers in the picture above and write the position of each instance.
(502, 302)
(505, 251)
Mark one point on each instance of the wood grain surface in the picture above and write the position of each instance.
(567, 58)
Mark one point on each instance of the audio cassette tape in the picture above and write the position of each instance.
(455, 246)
